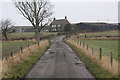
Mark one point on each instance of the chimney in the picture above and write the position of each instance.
(66, 17)
(54, 19)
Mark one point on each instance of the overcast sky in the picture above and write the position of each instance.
(75, 10)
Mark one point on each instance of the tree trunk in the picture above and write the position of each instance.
(37, 36)
(5, 37)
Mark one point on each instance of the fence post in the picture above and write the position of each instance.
(21, 49)
(20, 58)
(83, 44)
(38, 43)
(87, 47)
(92, 51)
(80, 43)
(12, 39)
(11, 54)
(111, 58)
(100, 53)
(85, 36)
(6, 58)
(33, 43)
(28, 46)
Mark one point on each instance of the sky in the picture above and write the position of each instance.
(76, 11)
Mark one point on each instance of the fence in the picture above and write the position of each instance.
(14, 59)
(106, 62)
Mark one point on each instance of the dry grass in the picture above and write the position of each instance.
(107, 38)
(104, 62)
(17, 58)
(21, 40)
(113, 38)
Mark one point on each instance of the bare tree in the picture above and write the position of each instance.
(5, 27)
(37, 12)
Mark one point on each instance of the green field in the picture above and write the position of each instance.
(107, 33)
(106, 45)
(7, 47)
(21, 35)
(26, 35)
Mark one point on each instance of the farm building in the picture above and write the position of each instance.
(94, 27)
(58, 25)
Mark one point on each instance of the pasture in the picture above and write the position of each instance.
(27, 35)
(92, 34)
(21, 35)
(106, 45)
(8, 47)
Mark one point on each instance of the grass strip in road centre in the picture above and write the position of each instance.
(20, 70)
(94, 68)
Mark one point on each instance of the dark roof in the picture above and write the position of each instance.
(59, 21)
(93, 23)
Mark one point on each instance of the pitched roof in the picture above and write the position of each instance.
(59, 21)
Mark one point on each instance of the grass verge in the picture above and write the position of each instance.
(20, 70)
(91, 65)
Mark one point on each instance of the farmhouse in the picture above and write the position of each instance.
(58, 25)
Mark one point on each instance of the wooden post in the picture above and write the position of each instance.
(3, 58)
(20, 58)
(80, 43)
(28, 46)
(85, 36)
(111, 58)
(92, 51)
(6, 58)
(38, 43)
(11, 54)
(83, 44)
(87, 47)
(21, 49)
(12, 39)
(100, 53)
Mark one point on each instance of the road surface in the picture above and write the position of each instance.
(59, 61)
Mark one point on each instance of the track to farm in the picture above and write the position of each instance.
(59, 62)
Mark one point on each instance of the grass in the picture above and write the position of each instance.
(92, 66)
(21, 69)
(8, 47)
(27, 35)
(107, 33)
(21, 35)
(106, 45)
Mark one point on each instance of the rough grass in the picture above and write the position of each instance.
(106, 45)
(21, 35)
(8, 47)
(21, 69)
(92, 66)
(27, 35)
(107, 33)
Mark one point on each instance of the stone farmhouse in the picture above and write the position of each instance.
(58, 25)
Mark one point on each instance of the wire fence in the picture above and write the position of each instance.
(107, 62)
(23, 54)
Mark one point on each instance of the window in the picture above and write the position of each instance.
(53, 25)
(59, 25)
